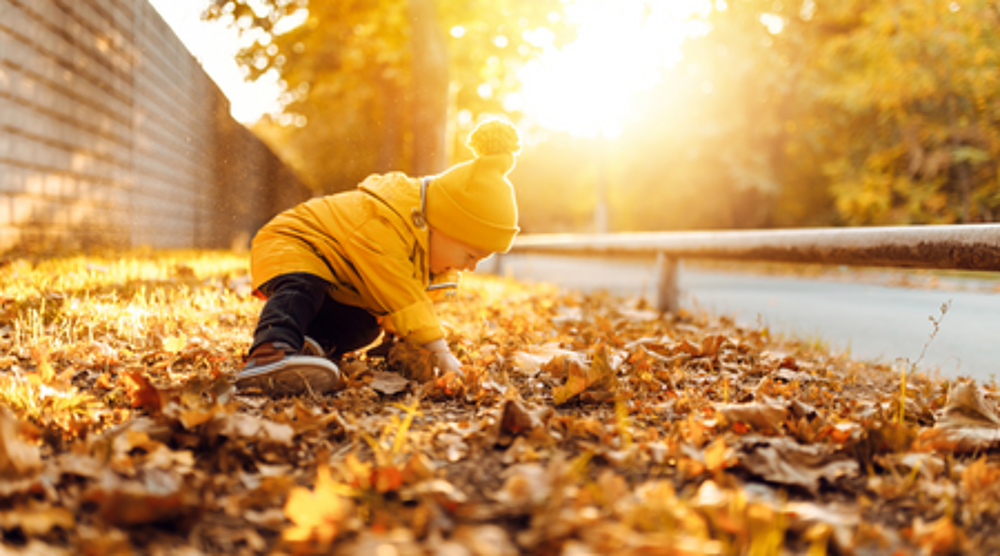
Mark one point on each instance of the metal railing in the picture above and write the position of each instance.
(955, 247)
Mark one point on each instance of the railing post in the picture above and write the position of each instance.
(667, 290)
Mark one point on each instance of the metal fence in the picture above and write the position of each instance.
(958, 247)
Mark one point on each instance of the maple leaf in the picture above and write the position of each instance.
(320, 514)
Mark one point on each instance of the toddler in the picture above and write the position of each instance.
(338, 270)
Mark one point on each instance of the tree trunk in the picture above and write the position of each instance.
(392, 128)
(429, 95)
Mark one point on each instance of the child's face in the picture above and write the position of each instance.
(448, 253)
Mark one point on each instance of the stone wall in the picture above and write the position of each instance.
(112, 135)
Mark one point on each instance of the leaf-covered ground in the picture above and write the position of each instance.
(585, 425)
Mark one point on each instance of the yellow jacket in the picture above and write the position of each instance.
(367, 244)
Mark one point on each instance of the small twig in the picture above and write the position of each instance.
(913, 367)
(308, 386)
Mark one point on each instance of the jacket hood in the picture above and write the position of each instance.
(401, 193)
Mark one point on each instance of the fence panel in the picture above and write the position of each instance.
(111, 134)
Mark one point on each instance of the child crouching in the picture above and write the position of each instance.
(339, 269)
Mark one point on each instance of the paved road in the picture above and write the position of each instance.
(874, 321)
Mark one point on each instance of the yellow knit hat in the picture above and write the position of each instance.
(473, 201)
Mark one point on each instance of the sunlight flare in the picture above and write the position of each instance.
(623, 46)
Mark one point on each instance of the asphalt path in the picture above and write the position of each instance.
(875, 320)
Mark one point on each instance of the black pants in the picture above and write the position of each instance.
(298, 305)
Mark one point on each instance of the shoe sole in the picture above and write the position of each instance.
(292, 376)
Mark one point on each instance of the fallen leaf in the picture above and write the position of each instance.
(965, 408)
(526, 485)
(413, 362)
(388, 383)
(718, 456)
(531, 361)
(940, 536)
(36, 520)
(174, 344)
(966, 425)
(159, 496)
(319, 514)
(241, 425)
(598, 376)
(784, 461)
(843, 519)
(485, 540)
(760, 416)
(36, 547)
(142, 392)
(513, 419)
(18, 458)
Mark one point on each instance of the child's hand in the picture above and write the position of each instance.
(446, 360)
(448, 363)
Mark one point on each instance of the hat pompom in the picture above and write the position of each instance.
(494, 137)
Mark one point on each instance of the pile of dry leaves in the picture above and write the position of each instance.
(587, 424)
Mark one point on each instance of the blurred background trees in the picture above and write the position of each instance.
(370, 82)
(773, 113)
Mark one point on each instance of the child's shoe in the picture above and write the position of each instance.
(276, 370)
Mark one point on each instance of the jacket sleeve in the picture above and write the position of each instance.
(382, 260)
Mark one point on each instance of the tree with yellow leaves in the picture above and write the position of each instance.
(370, 84)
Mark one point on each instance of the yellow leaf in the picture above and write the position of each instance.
(716, 455)
(599, 376)
(174, 344)
(317, 514)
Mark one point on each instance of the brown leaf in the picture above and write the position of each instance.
(783, 461)
(965, 408)
(36, 547)
(526, 485)
(597, 376)
(241, 425)
(513, 419)
(687, 347)
(36, 520)
(418, 468)
(843, 520)
(937, 537)
(388, 383)
(142, 392)
(486, 540)
(532, 360)
(761, 416)
(412, 361)
(159, 496)
(710, 345)
(966, 425)
(443, 493)
(18, 458)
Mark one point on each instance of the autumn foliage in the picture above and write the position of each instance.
(586, 424)
(778, 113)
